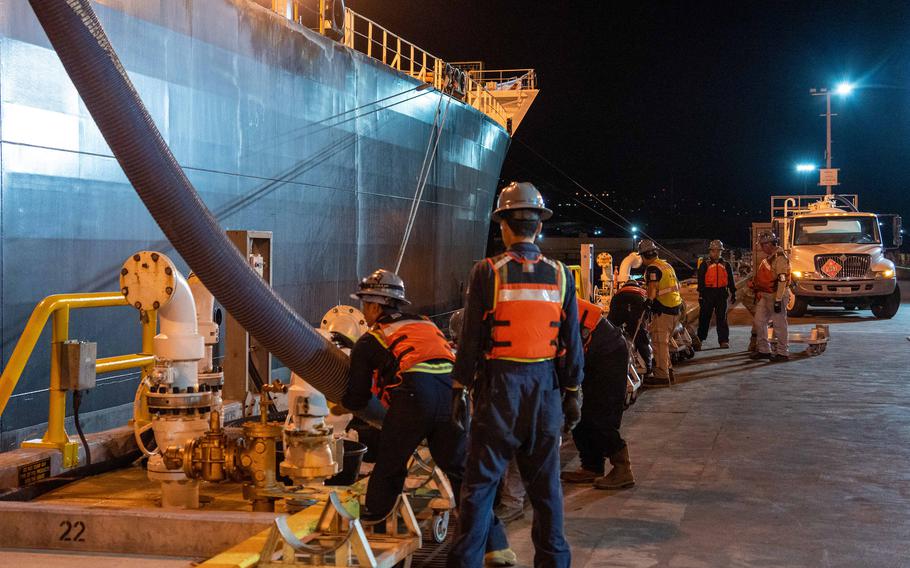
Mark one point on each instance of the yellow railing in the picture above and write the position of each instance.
(366, 36)
(58, 307)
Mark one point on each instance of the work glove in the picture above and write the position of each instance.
(571, 408)
(733, 299)
(777, 307)
(461, 416)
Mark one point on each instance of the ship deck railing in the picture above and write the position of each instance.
(372, 39)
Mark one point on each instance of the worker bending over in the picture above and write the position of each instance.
(412, 363)
(629, 312)
(597, 436)
(772, 290)
(665, 303)
(520, 313)
(715, 289)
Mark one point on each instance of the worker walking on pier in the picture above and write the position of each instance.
(665, 304)
(412, 362)
(715, 289)
(520, 314)
(597, 436)
(772, 290)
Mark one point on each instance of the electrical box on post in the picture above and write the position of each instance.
(77, 365)
(246, 361)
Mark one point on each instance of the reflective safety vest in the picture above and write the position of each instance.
(668, 287)
(765, 278)
(716, 275)
(417, 345)
(527, 312)
(589, 315)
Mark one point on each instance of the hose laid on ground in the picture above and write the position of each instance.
(96, 71)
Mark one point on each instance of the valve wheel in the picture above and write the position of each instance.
(440, 526)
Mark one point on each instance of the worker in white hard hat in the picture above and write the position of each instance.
(716, 289)
(520, 315)
(412, 362)
(665, 303)
(771, 285)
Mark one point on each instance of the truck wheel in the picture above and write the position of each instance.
(798, 306)
(886, 306)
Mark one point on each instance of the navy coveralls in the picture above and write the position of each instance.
(517, 413)
(606, 367)
(714, 301)
(419, 408)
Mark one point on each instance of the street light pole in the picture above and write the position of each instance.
(843, 89)
(828, 143)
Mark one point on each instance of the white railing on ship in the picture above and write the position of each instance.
(504, 79)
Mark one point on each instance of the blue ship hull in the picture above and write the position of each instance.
(277, 127)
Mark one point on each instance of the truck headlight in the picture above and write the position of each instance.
(887, 273)
(797, 274)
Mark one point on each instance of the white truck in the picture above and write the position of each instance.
(837, 253)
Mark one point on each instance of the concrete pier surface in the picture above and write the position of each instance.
(742, 463)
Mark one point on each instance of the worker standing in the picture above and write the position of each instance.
(665, 304)
(412, 362)
(597, 436)
(772, 289)
(715, 289)
(520, 314)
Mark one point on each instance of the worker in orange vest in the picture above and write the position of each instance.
(715, 289)
(771, 284)
(409, 361)
(520, 316)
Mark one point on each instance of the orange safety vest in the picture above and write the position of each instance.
(716, 275)
(414, 342)
(417, 345)
(765, 279)
(527, 308)
(589, 316)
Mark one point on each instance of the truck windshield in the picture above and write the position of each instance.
(828, 230)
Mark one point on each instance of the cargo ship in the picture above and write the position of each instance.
(319, 130)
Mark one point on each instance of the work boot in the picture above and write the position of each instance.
(724, 344)
(651, 381)
(507, 514)
(753, 344)
(581, 475)
(620, 477)
(778, 358)
(504, 557)
(758, 356)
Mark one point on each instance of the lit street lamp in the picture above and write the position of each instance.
(804, 170)
(843, 89)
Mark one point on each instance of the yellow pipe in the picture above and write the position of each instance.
(35, 325)
(123, 362)
(56, 413)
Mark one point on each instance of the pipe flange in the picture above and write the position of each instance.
(179, 400)
(147, 280)
(213, 380)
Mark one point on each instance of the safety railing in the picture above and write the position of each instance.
(57, 308)
(505, 79)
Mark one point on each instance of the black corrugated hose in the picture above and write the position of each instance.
(96, 71)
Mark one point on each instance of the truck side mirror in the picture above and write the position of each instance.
(897, 238)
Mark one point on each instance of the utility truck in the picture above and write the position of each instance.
(837, 253)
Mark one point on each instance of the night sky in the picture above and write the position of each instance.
(664, 108)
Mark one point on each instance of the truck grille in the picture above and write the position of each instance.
(835, 266)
